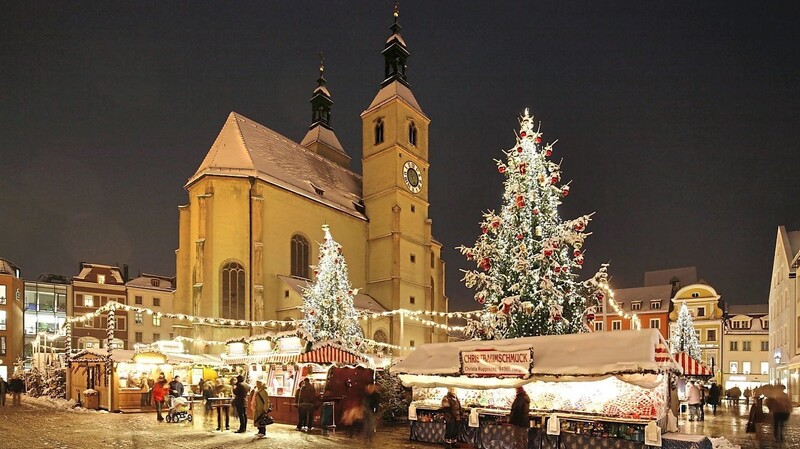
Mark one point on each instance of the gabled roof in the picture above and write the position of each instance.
(748, 309)
(246, 148)
(391, 91)
(790, 244)
(686, 275)
(146, 281)
(644, 294)
(324, 135)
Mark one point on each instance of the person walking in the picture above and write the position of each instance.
(519, 418)
(3, 390)
(306, 401)
(160, 390)
(714, 394)
(780, 406)
(451, 407)
(693, 396)
(16, 387)
(175, 389)
(208, 393)
(371, 404)
(240, 391)
(703, 396)
(223, 390)
(261, 408)
(747, 394)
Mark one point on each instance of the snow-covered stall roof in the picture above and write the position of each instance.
(629, 355)
(126, 355)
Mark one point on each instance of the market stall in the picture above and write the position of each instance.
(584, 388)
(122, 382)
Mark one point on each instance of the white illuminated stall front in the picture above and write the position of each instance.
(601, 384)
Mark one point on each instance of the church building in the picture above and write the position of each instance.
(250, 233)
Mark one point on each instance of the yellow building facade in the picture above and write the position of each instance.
(703, 303)
(253, 222)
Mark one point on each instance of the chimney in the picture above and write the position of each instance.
(125, 272)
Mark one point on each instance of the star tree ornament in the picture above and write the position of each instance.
(328, 309)
(527, 257)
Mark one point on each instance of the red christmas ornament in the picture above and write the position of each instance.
(538, 139)
(485, 264)
(523, 134)
(520, 236)
(481, 300)
(496, 223)
(556, 269)
(484, 230)
(548, 252)
(579, 260)
(590, 316)
(520, 201)
(576, 253)
(470, 256)
(522, 167)
(519, 149)
(554, 180)
(311, 312)
(316, 272)
(557, 317)
(501, 169)
(535, 211)
(565, 191)
(579, 227)
(548, 152)
(600, 296)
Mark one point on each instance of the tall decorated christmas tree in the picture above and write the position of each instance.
(328, 310)
(527, 257)
(683, 338)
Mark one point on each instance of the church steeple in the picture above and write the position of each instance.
(321, 101)
(395, 54)
(320, 137)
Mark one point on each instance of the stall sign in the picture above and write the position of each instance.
(493, 363)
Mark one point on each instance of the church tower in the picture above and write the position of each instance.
(404, 269)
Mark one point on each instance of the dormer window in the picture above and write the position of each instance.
(637, 305)
(412, 134)
(318, 190)
(655, 305)
(155, 282)
(378, 131)
(101, 278)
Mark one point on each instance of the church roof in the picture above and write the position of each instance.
(324, 135)
(246, 148)
(394, 90)
(686, 276)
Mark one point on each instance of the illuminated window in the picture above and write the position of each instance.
(233, 296)
(299, 256)
(101, 278)
(412, 134)
(88, 301)
(616, 325)
(764, 367)
(734, 367)
(156, 320)
(2, 320)
(2, 294)
(137, 318)
(3, 345)
(745, 367)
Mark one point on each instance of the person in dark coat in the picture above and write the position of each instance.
(451, 407)
(714, 394)
(306, 402)
(519, 418)
(240, 392)
(16, 387)
(3, 390)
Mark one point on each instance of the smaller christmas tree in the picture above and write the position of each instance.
(683, 337)
(328, 310)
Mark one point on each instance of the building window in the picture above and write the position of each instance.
(412, 134)
(734, 345)
(156, 302)
(413, 209)
(138, 337)
(120, 323)
(734, 367)
(117, 344)
(3, 345)
(746, 367)
(598, 326)
(88, 301)
(155, 282)
(695, 295)
(413, 258)
(655, 323)
(2, 320)
(764, 368)
(412, 300)
(600, 307)
(2, 294)
(233, 296)
(156, 320)
(137, 318)
(655, 305)
(701, 311)
(765, 323)
(711, 335)
(156, 336)
(101, 278)
(697, 334)
(636, 305)
(616, 325)
(378, 131)
(746, 345)
(411, 343)
(765, 345)
(137, 300)
(299, 256)
(286, 293)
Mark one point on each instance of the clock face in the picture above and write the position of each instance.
(412, 177)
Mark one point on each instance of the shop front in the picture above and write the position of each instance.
(605, 389)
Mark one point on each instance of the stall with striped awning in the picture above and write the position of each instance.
(692, 367)
(330, 353)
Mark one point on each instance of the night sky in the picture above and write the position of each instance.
(677, 121)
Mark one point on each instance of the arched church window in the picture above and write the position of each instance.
(299, 259)
(378, 131)
(412, 134)
(380, 336)
(233, 297)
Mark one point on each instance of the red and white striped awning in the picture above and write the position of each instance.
(280, 359)
(663, 357)
(692, 367)
(332, 354)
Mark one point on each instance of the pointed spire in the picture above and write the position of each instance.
(321, 100)
(395, 53)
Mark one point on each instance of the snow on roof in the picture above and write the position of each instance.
(748, 309)
(324, 135)
(395, 89)
(628, 295)
(555, 358)
(794, 243)
(686, 275)
(398, 38)
(146, 281)
(7, 267)
(361, 301)
(246, 148)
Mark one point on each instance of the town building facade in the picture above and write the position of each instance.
(745, 346)
(784, 313)
(705, 306)
(11, 317)
(93, 287)
(45, 312)
(153, 293)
